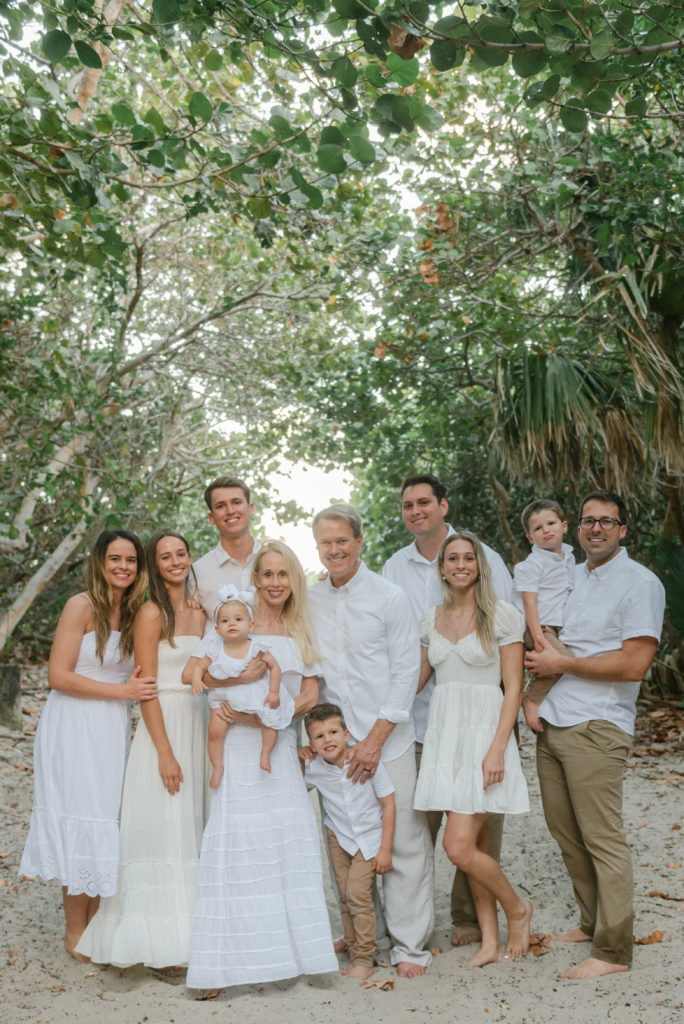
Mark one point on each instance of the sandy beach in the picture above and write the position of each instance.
(42, 985)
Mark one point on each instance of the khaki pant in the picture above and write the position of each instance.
(354, 877)
(580, 774)
(539, 686)
(462, 905)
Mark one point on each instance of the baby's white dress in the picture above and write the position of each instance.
(245, 697)
(463, 717)
(79, 759)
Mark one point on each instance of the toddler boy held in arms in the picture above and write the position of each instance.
(359, 824)
(543, 581)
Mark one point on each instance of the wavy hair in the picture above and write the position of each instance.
(296, 616)
(485, 600)
(158, 592)
(102, 596)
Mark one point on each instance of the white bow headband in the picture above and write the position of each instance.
(229, 592)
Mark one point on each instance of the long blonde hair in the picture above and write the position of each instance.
(158, 592)
(296, 616)
(485, 600)
(103, 599)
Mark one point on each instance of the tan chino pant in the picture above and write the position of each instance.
(354, 877)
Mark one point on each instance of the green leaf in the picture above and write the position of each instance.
(528, 9)
(395, 109)
(494, 30)
(557, 44)
(428, 118)
(87, 55)
(56, 45)
(624, 22)
(599, 101)
(488, 58)
(446, 54)
(333, 135)
(259, 207)
(166, 12)
(550, 86)
(156, 158)
(528, 64)
(200, 107)
(601, 45)
(361, 149)
(123, 114)
(453, 28)
(637, 106)
(331, 158)
(213, 61)
(404, 72)
(345, 72)
(573, 118)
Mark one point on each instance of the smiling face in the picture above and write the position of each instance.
(230, 512)
(338, 549)
(599, 544)
(273, 580)
(329, 740)
(545, 529)
(233, 621)
(173, 560)
(120, 565)
(459, 566)
(422, 512)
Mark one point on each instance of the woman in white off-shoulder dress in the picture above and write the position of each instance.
(83, 734)
(470, 765)
(165, 788)
(261, 914)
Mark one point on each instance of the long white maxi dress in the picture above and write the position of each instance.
(261, 914)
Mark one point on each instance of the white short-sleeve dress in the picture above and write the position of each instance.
(463, 717)
(245, 697)
(79, 759)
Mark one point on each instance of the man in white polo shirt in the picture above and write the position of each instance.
(230, 510)
(370, 658)
(613, 620)
(424, 508)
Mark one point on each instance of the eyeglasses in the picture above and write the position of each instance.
(605, 522)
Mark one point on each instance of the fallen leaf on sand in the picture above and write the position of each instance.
(674, 864)
(664, 896)
(385, 986)
(649, 940)
(540, 944)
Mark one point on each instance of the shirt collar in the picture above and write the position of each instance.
(553, 555)
(415, 555)
(222, 556)
(351, 585)
(603, 572)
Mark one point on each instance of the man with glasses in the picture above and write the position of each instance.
(613, 620)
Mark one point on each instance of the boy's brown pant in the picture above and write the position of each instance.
(539, 686)
(354, 877)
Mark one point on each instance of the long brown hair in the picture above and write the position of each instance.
(295, 614)
(158, 592)
(485, 600)
(103, 599)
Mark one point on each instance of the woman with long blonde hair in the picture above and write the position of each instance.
(470, 765)
(83, 733)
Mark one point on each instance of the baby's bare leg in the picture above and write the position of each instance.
(217, 734)
(268, 742)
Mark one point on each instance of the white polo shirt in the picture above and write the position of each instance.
(551, 577)
(419, 579)
(215, 569)
(370, 654)
(617, 601)
(350, 809)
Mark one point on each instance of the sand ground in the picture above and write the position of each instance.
(42, 985)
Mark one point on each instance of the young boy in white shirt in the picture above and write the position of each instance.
(359, 824)
(544, 581)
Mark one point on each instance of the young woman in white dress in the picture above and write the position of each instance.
(165, 787)
(261, 914)
(83, 733)
(470, 765)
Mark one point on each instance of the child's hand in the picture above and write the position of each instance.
(198, 686)
(538, 641)
(273, 700)
(383, 861)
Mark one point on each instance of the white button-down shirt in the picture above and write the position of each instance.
(551, 577)
(370, 654)
(350, 809)
(215, 569)
(419, 579)
(617, 601)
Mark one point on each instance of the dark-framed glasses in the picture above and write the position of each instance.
(605, 522)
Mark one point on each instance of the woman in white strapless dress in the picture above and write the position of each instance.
(83, 734)
(470, 765)
(164, 803)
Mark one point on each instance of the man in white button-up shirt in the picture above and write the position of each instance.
(230, 511)
(613, 620)
(424, 508)
(371, 659)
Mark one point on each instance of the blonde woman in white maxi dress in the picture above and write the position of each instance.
(470, 765)
(261, 914)
(165, 788)
(83, 734)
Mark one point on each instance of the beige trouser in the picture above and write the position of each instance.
(539, 686)
(580, 774)
(462, 905)
(354, 877)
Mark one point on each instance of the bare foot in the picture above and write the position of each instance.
(340, 945)
(265, 763)
(530, 711)
(592, 968)
(574, 935)
(358, 971)
(465, 934)
(215, 779)
(169, 972)
(70, 944)
(405, 969)
(208, 993)
(519, 932)
(486, 955)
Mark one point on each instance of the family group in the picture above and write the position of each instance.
(183, 851)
